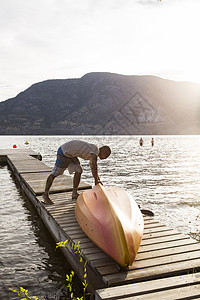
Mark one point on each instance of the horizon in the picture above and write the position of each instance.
(46, 40)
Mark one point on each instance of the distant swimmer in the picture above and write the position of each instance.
(141, 142)
(152, 142)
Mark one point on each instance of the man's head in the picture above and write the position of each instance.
(104, 152)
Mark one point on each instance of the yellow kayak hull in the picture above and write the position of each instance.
(111, 218)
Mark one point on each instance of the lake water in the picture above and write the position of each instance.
(164, 178)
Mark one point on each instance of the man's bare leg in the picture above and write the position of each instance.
(76, 181)
(49, 183)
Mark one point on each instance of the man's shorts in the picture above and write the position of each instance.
(64, 162)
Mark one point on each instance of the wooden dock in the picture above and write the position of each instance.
(167, 260)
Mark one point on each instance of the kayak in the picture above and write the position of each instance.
(111, 218)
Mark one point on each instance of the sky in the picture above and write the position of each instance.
(60, 39)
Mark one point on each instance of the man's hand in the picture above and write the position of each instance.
(98, 182)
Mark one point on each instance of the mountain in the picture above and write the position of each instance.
(103, 103)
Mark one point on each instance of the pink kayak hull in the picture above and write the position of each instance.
(111, 218)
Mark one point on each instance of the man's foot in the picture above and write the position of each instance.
(46, 199)
(75, 196)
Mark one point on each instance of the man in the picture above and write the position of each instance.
(67, 157)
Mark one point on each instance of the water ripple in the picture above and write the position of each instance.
(164, 178)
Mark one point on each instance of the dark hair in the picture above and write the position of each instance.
(107, 150)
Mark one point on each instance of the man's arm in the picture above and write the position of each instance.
(94, 169)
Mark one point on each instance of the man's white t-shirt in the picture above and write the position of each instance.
(80, 149)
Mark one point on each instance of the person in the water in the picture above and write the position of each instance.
(141, 142)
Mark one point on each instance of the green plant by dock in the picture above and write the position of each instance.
(76, 248)
(23, 293)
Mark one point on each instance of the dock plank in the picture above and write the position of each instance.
(163, 239)
(170, 269)
(165, 288)
(168, 232)
(145, 263)
(17, 152)
(28, 165)
(21, 157)
(165, 252)
(27, 151)
(63, 183)
(170, 244)
(186, 292)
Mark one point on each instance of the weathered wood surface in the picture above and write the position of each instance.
(27, 152)
(35, 173)
(178, 287)
(27, 164)
(163, 251)
(62, 183)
